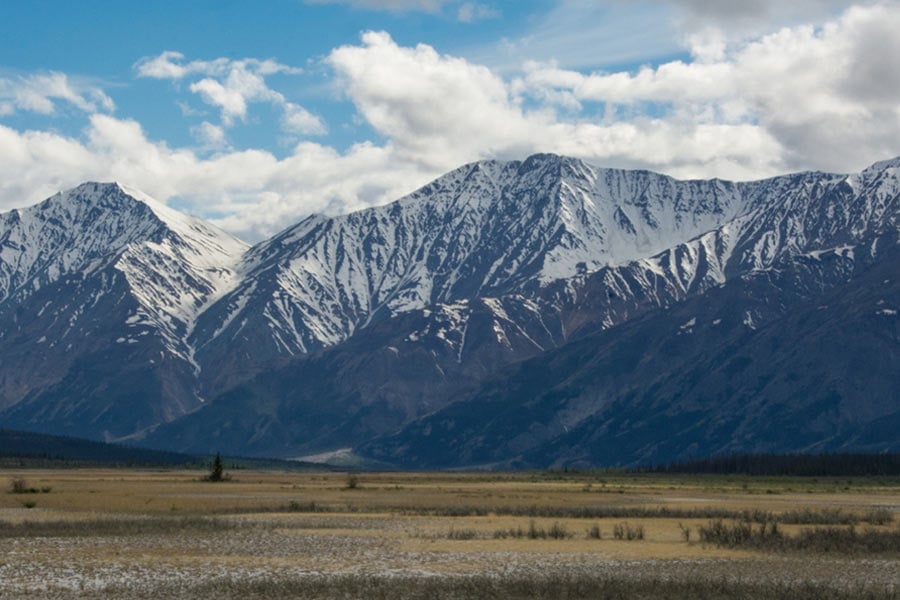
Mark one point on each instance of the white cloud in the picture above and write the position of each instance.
(817, 91)
(442, 111)
(255, 192)
(211, 137)
(671, 82)
(803, 97)
(232, 102)
(167, 65)
(436, 109)
(231, 86)
(38, 92)
(299, 120)
(170, 65)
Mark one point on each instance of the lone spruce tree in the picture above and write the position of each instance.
(217, 472)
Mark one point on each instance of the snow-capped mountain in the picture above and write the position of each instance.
(173, 263)
(759, 364)
(103, 271)
(487, 229)
(806, 217)
(493, 229)
(336, 319)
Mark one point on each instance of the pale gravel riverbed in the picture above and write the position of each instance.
(262, 559)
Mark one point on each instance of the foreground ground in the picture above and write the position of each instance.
(151, 534)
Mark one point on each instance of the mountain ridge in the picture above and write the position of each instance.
(490, 265)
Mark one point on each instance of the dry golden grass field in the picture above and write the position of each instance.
(120, 533)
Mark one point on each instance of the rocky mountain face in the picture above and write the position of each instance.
(507, 313)
(99, 287)
(755, 365)
(486, 230)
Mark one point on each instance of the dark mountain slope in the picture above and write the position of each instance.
(380, 379)
(729, 371)
(29, 448)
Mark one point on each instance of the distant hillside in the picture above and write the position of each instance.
(31, 448)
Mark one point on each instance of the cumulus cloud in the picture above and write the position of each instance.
(436, 109)
(254, 192)
(816, 91)
(231, 86)
(38, 92)
(299, 120)
(803, 97)
(210, 137)
(234, 92)
(441, 111)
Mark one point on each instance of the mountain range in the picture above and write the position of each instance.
(523, 313)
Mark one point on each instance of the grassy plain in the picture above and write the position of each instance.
(148, 534)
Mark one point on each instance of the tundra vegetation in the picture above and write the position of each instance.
(117, 533)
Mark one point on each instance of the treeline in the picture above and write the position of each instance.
(23, 448)
(801, 465)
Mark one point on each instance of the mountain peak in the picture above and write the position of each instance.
(96, 224)
(883, 165)
(118, 198)
(486, 228)
(102, 194)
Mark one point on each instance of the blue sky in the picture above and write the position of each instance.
(255, 115)
(99, 42)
